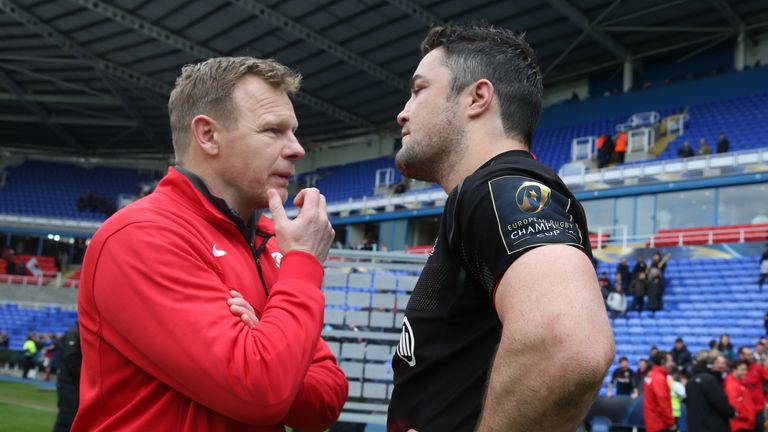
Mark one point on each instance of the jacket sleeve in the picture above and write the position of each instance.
(664, 400)
(162, 303)
(323, 395)
(715, 394)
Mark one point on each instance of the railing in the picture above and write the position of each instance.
(670, 166)
(709, 236)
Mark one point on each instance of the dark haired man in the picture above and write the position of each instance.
(623, 380)
(708, 407)
(510, 280)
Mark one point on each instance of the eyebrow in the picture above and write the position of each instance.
(417, 77)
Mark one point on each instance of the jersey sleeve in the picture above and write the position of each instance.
(499, 219)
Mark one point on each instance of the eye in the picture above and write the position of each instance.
(417, 90)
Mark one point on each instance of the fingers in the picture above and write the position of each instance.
(234, 293)
(245, 315)
(276, 206)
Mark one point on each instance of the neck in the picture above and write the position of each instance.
(479, 150)
(216, 187)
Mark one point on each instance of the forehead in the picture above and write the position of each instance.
(431, 65)
(253, 96)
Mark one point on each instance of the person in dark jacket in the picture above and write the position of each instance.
(640, 267)
(626, 275)
(68, 383)
(655, 291)
(682, 356)
(708, 408)
(638, 288)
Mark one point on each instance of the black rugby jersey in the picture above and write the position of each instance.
(450, 331)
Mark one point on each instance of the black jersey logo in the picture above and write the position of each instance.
(406, 349)
(532, 197)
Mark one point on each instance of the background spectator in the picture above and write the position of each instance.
(726, 349)
(657, 400)
(739, 399)
(723, 144)
(704, 148)
(10, 258)
(30, 351)
(34, 268)
(643, 369)
(620, 150)
(623, 380)
(681, 356)
(686, 151)
(638, 288)
(605, 151)
(754, 380)
(626, 275)
(617, 301)
(68, 382)
(640, 267)
(760, 353)
(655, 291)
(605, 285)
(658, 262)
(677, 393)
(708, 408)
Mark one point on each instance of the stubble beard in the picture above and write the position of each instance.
(431, 156)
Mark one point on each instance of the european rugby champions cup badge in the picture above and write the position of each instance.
(529, 214)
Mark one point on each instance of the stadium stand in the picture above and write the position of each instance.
(18, 320)
(52, 189)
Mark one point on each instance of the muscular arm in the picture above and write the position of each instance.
(556, 343)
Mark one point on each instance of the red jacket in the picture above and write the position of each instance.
(161, 350)
(657, 401)
(741, 402)
(753, 381)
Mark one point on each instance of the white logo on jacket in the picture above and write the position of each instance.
(406, 349)
(278, 257)
(217, 252)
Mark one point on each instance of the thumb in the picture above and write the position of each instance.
(276, 206)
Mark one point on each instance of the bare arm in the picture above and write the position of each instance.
(556, 343)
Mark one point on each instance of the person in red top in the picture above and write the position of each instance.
(740, 400)
(756, 376)
(657, 400)
(198, 313)
(621, 147)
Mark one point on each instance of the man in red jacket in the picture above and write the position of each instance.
(657, 400)
(739, 399)
(756, 376)
(197, 313)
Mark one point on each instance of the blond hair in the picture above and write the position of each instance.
(207, 87)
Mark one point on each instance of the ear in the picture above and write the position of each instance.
(481, 98)
(204, 131)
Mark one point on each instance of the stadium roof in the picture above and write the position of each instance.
(89, 78)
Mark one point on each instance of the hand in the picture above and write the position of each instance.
(241, 308)
(310, 232)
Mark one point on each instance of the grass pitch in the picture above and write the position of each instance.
(25, 407)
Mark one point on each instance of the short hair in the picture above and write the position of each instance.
(623, 358)
(660, 357)
(207, 87)
(739, 363)
(477, 51)
(742, 348)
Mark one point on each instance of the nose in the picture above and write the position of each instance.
(404, 115)
(293, 149)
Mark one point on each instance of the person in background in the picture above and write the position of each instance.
(9, 255)
(605, 285)
(754, 379)
(657, 399)
(708, 407)
(643, 370)
(30, 352)
(681, 356)
(605, 152)
(68, 381)
(620, 149)
(640, 266)
(623, 381)
(677, 381)
(739, 399)
(704, 148)
(655, 291)
(723, 144)
(626, 274)
(686, 151)
(638, 288)
(761, 354)
(726, 348)
(617, 301)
